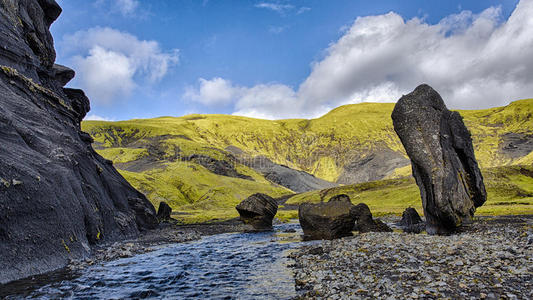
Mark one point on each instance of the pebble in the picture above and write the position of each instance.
(490, 259)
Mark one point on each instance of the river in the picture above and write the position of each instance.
(223, 266)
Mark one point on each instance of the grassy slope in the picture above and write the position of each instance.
(320, 146)
(509, 188)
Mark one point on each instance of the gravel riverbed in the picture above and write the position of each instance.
(490, 259)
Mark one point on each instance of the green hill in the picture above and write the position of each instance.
(209, 163)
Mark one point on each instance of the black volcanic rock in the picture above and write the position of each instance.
(442, 158)
(258, 210)
(62, 74)
(411, 221)
(58, 197)
(329, 220)
(364, 221)
(410, 217)
(164, 211)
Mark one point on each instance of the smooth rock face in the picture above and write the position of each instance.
(164, 211)
(442, 157)
(58, 197)
(258, 210)
(328, 220)
(364, 221)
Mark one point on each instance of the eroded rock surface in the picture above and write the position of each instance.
(442, 157)
(258, 210)
(58, 197)
(327, 220)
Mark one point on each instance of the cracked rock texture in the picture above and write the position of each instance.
(58, 198)
(442, 158)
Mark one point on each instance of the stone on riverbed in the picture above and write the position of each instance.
(442, 158)
(411, 221)
(364, 221)
(258, 210)
(327, 221)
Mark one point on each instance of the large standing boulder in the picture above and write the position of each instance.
(364, 221)
(258, 210)
(442, 158)
(327, 220)
(58, 197)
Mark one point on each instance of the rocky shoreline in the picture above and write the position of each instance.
(490, 259)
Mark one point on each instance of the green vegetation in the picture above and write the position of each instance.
(152, 155)
(509, 189)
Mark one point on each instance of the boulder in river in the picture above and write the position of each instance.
(258, 210)
(442, 158)
(164, 211)
(364, 221)
(327, 220)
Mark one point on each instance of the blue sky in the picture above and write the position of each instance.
(283, 59)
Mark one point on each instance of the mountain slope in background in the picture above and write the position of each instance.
(211, 162)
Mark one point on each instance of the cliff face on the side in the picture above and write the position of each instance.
(58, 197)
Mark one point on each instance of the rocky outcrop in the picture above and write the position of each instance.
(411, 221)
(364, 221)
(327, 220)
(258, 210)
(295, 180)
(219, 167)
(442, 158)
(376, 165)
(164, 211)
(57, 196)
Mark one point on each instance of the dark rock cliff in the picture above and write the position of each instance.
(57, 196)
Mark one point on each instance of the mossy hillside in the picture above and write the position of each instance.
(320, 146)
(509, 188)
(189, 187)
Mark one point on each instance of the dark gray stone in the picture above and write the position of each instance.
(329, 220)
(258, 210)
(164, 211)
(364, 222)
(62, 74)
(442, 157)
(411, 221)
(58, 197)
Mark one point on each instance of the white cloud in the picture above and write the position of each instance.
(93, 117)
(110, 64)
(216, 91)
(303, 9)
(280, 8)
(473, 60)
(277, 29)
(127, 7)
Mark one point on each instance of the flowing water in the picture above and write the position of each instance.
(223, 266)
